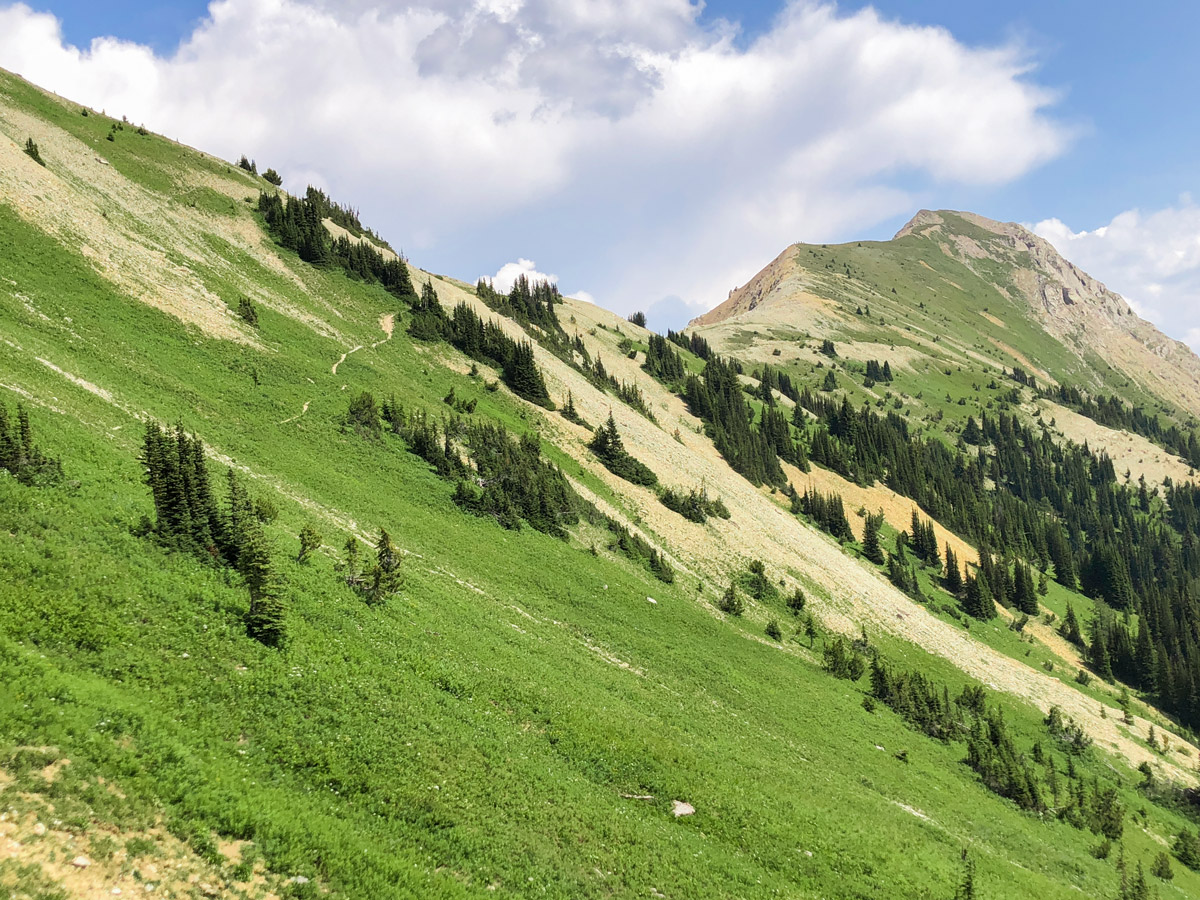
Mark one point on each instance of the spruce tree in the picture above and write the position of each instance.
(953, 579)
(731, 602)
(871, 548)
(310, 541)
(386, 577)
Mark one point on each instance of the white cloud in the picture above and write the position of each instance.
(503, 280)
(1151, 259)
(644, 150)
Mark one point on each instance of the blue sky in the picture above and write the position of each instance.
(1079, 117)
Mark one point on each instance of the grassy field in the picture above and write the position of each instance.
(518, 722)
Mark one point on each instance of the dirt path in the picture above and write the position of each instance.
(295, 417)
(343, 359)
(387, 323)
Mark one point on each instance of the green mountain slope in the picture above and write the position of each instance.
(526, 715)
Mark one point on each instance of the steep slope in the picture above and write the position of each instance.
(528, 714)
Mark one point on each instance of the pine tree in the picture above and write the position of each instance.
(1070, 627)
(266, 618)
(310, 541)
(731, 602)
(871, 548)
(1162, 867)
(953, 579)
(386, 577)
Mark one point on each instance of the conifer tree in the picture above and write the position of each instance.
(731, 602)
(386, 577)
(953, 579)
(871, 548)
(310, 541)
(266, 618)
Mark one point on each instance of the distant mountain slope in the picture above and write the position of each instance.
(982, 274)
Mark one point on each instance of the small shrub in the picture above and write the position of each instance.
(773, 631)
(31, 150)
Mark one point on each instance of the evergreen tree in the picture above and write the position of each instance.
(310, 541)
(731, 602)
(871, 547)
(386, 577)
(266, 618)
(953, 578)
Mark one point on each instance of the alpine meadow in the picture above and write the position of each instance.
(323, 575)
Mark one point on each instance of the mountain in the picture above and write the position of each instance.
(325, 575)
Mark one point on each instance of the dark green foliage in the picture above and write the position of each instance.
(828, 349)
(523, 376)
(1002, 768)
(248, 165)
(830, 382)
(487, 342)
(843, 660)
(1064, 729)
(20, 456)
(186, 516)
(310, 542)
(273, 177)
(877, 372)
(1113, 412)
(977, 599)
(1187, 849)
(247, 310)
(1162, 867)
(663, 361)
(695, 505)
(796, 601)
(638, 318)
(571, 414)
(299, 225)
(716, 398)
(731, 602)
(503, 477)
(526, 303)
(363, 416)
(754, 581)
(872, 549)
(827, 511)
(639, 550)
(773, 631)
(694, 343)
(607, 445)
(31, 150)
(266, 619)
(385, 578)
(953, 579)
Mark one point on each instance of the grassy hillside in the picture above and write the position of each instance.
(523, 716)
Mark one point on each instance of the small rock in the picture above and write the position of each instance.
(652, 600)
(81, 862)
(208, 890)
(682, 809)
(298, 879)
(184, 656)
(116, 892)
(808, 853)
(39, 829)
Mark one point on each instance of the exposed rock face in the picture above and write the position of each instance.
(1071, 305)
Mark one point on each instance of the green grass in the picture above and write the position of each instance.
(480, 731)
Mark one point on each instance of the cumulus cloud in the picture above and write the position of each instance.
(504, 280)
(1151, 259)
(638, 145)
